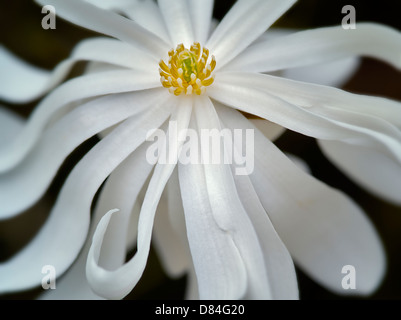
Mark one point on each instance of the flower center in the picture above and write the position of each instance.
(187, 71)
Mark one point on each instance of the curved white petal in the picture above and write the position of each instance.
(335, 73)
(322, 228)
(192, 291)
(235, 91)
(25, 184)
(311, 95)
(373, 170)
(169, 233)
(147, 14)
(279, 265)
(321, 45)
(113, 4)
(178, 21)
(117, 283)
(87, 86)
(219, 268)
(120, 191)
(201, 17)
(318, 111)
(244, 23)
(21, 83)
(10, 125)
(62, 236)
(94, 18)
(271, 130)
(228, 212)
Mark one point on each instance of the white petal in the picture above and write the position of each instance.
(91, 17)
(244, 23)
(119, 282)
(271, 130)
(228, 212)
(112, 4)
(201, 16)
(20, 81)
(73, 90)
(373, 170)
(320, 46)
(25, 184)
(314, 110)
(321, 227)
(178, 21)
(192, 291)
(243, 92)
(279, 265)
(334, 74)
(119, 192)
(170, 234)
(147, 14)
(62, 236)
(219, 268)
(10, 125)
(174, 256)
(300, 163)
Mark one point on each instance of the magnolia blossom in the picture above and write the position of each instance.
(236, 236)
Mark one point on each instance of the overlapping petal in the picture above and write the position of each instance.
(323, 229)
(28, 181)
(84, 87)
(371, 169)
(62, 236)
(94, 18)
(309, 109)
(231, 222)
(117, 283)
(319, 46)
(178, 21)
(10, 125)
(249, 19)
(201, 17)
(120, 191)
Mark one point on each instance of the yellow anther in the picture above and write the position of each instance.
(187, 71)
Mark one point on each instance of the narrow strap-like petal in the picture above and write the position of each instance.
(21, 83)
(63, 235)
(371, 169)
(28, 181)
(88, 86)
(119, 192)
(227, 210)
(279, 265)
(170, 235)
(91, 17)
(201, 17)
(244, 23)
(178, 21)
(115, 284)
(147, 14)
(319, 46)
(322, 228)
(10, 125)
(113, 4)
(309, 109)
(219, 268)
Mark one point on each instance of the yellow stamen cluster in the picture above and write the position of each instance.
(187, 71)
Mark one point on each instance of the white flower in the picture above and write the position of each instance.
(230, 233)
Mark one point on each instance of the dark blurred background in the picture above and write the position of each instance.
(21, 32)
